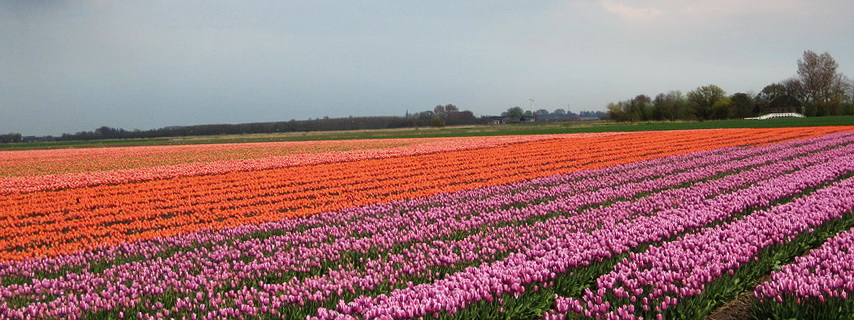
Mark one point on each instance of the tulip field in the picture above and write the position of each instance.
(640, 225)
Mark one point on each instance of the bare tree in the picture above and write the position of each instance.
(849, 92)
(450, 108)
(439, 111)
(820, 83)
(771, 92)
(677, 105)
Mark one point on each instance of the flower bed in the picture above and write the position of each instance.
(482, 250)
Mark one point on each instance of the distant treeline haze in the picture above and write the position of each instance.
(321, 124)
(440, 116)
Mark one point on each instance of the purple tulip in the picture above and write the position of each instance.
(825, 272)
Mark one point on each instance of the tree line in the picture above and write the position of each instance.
(517, 114)
(441, 115)
(10, 137)
(817, 90)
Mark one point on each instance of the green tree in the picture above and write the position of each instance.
(615, 112)
(515, 113)
(640, 108)
(721, 108)
(660, 106)
(528, 114)
(704, 98)
(741, 105)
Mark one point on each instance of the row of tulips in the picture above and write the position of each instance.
(36, 170)
(236, 272)
(652, 284)
(623, 180)
(71, 175)
(316, 189)
(515, 238)
(79, 167)
(50, 223)
(818, 285)
(564, 252)
(580, 182)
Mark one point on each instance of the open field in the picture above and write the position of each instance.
(649, 222)
(463, 131)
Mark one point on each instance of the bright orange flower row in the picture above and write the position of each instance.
(54, 222)
(89, 167)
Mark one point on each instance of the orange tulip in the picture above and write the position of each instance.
(45, 223)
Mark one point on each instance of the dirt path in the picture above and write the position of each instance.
(738, 309)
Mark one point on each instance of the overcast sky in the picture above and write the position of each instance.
(68, 66)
